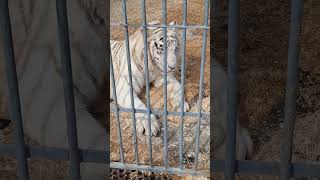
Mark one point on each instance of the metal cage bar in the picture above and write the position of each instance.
(203, 59)
(62, 17)
(161, 26)
(51, 153)
(146, 68)
(114, 91)
(165, 112)
(14, 104)
(183, 64)
(233, 76)
(308, 170)
(135, 141)
(165, 87)
(158, 169)
(159, 112)
(213, 75)
(291, 90)
(272, 168)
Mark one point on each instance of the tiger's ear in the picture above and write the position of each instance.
(172, 23)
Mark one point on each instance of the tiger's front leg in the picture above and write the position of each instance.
(124, 100)
(174, 91)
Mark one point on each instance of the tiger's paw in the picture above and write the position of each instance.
(143, 125)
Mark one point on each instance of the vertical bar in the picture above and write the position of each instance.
(15, 105)
(203, 60)
(68, 88)
(124, 14)
(146, 71)
(183, 64)
(233, 76)
(165, 110)
(291, 90)
(213, 75)
(107, 115)
(117, 110)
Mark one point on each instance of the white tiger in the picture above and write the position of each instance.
(156, 71)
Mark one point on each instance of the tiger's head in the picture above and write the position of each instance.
(156, 47)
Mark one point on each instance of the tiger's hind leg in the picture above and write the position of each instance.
(124, 100)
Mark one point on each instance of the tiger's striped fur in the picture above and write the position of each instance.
(156, 71)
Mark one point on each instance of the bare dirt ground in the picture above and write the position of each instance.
(263, 58)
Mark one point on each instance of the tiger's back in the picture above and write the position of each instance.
(120, 63)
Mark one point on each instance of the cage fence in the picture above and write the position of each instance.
(199, 115)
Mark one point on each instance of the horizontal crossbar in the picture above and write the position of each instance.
(37, 152)
(159, 112)
(158, 169)
(162, 26)
(271, 168)
(243, 167)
